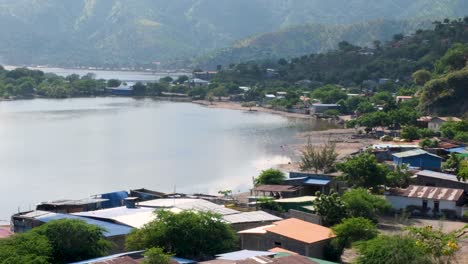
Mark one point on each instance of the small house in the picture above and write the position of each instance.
(428, 200)
(205, 75)
(312, 183)
(319, 109)
(402, 98)
(438, 179)
(292, 234)
(196, 82)
(436, 122)
(278, 191)
(418, 158)
(122, 90)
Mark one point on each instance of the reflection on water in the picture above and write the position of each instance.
(53, 149)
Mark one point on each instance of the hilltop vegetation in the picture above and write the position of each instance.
(128, 32)
(305, 39)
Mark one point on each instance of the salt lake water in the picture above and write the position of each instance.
(74, 148)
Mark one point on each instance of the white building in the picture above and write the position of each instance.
(437, 122)
(432, 200)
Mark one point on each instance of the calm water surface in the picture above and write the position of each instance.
(54, 149)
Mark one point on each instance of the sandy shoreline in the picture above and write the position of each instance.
(346, 144)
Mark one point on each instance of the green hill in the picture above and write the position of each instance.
(128, 32)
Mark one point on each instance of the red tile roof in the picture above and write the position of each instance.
(301, 230)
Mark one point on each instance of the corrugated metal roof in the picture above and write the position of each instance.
(90, 261)
(189, 204)
(243, 254)
(439, 175)
(111, 228)
(461, 150)
(295, 229)
(114, 212)
(429, 192)
(317, 182)
(249, 217)
(75, 202)
(276, 188)
(412, 153)
(389, 146)
(301, 199)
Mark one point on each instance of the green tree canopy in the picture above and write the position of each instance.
(354, 229)
(270, 176)
(319, 158)
(74, 240)
(189, 234)
(156, 256)
(330, 207)
(26, 247)
(394, 249)
(363, 170)
(421, 77)
(329, 94)
(360, 203)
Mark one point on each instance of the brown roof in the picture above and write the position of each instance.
(282, 250)
(276, 188)
(121, 260)
(428, 192)
(447, 145)
(449, 118)
(301, 230)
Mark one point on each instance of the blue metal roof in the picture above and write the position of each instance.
(317, 181)
(115, 199)
(111, 228)
(183, 261)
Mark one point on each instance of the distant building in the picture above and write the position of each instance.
(436, 122)
(418, 158)
(71, 206)
(292, 234)
(205, 75)
(122, 90)
(311, 183)
(278, 191)
(317, 109)
(429, 200)
(401, 98)
(196, 82)
(438, 179)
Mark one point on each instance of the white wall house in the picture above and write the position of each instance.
(437, 122)
(434, 199)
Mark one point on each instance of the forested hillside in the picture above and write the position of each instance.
(128, 32)
(305, 39)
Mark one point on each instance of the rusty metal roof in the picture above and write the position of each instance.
(429, 192)
(277, 188)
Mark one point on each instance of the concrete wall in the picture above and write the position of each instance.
(308, 217)
(264, 242)
(429, 181)
(399, 202)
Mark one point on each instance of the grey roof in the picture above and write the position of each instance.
(412, 153)
(114, 212)
(244, 254)
(439, 175)
(189, 204)
(75, 202)
(249, 217)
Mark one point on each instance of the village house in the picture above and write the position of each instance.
(429, 200)
(122, 90)
(436, 122)
(134, 257)
(320, 109)
(402, 98)
(278, 191)
(302, 237)
(418, 158)
(311, 182)
(438, 179)
(205, 75)
(196, 82)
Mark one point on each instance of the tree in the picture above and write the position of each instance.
(139, 89)
(27, 247)
(410, 133)
(462, 174)
(166, 79)
(156, 255)
(354, 229)
(428, 143)
(400, 177)
(113, 83)
(421, 77)
(74, 240)
(321, 158)
(440, 245)
(360, 203)
(181, 79)
(329, 94)
(266, 203)
(330, 207)
(270, 176)
(188, 234)
(453, 163)
(363, 170)
(394, 249)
